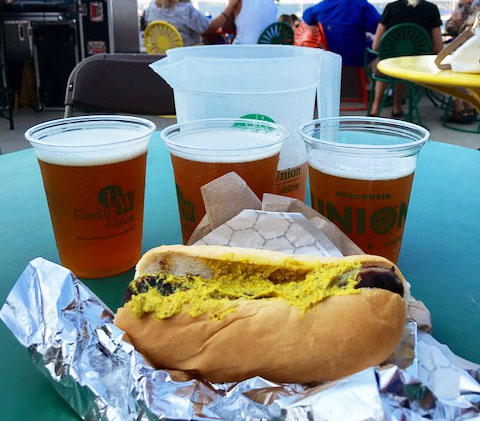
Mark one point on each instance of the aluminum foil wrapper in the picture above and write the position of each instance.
(70, 336)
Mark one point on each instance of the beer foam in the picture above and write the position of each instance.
(224, 145)
(91, 146)
(362, 168)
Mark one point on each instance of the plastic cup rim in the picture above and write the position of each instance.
(386, 122)
(171, 145)
(29, 134)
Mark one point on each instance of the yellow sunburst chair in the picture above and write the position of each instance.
(160, 36)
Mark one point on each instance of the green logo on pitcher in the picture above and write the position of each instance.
(260, 117)
(255, 117)
(112, 196)
(185, 207)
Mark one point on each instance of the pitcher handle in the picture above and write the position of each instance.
(328, 90)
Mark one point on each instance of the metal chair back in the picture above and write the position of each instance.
(307, 36)
(310, 36)
(405, 39)
(118, 83)
(277, 33)
(160, 36)
(323, 38)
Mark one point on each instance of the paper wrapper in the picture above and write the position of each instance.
(70, 335)
(228, 195)
(235, 217)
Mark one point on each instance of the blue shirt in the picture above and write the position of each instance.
(345, 23)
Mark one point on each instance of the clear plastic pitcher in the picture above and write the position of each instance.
(276, 83)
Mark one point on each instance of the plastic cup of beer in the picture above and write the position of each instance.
(361, 173)
(204, 150)
(93, 171)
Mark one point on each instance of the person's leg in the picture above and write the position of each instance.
(377, 99)
(458, 105)
(398, 93)
(469, 110)
(379, 88)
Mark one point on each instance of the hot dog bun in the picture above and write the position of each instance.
(268, 337)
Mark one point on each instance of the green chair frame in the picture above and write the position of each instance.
(447, 108)
(277, 33)
(405, 39)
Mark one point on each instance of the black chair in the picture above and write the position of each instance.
(118, 83)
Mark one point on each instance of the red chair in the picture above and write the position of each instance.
(314, 37)
(306, 36)
(361, 81)
(310, 36)
(323, 39)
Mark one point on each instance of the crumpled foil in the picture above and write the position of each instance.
(70, 336)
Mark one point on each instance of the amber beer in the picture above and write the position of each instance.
(361, 172)
(208, 149)
(190, 176)
(96, 197)
(371, 212)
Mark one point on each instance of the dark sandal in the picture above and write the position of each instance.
(472, 113)
(397, 115)
(461, 117)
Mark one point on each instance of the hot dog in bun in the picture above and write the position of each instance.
(227, 314)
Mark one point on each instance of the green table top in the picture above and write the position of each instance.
(440, 255)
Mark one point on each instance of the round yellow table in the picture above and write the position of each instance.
(423, 71)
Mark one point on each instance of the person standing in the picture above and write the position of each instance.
(346, 24)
